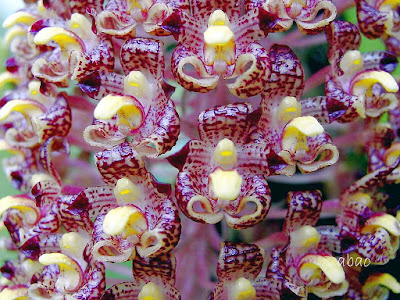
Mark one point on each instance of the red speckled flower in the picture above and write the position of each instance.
(222, 174)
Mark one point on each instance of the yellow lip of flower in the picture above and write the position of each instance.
(289, 108)
(13, 33)
(243, 289)
(363, 198)
(27, 108)
(310, 264)
(7, 77)
(126, 191)
(363, 82)
(66, 39)
(219, 39)
(20, 17)
(25, 205)
(296, 132)
(71, 274)
(352, 61)
(20, 293)
(126, 219)
(150, 291)
(382, 280)
(127, 109)
(386, 221)
(305, 237)
(225, 185)
(392, 154)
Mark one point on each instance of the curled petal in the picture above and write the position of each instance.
(110, 248)
(24, 204)
(309, 265)
(253, 80)
(129, 111)
(104, 134)
(27, 108)
(257, 193)
(14, 293)
(309, 23)
(67, 40)
(115, 23)
(126, 219)
(386, 221)
(164, 236)
(71, 275)
(21, 17)
(379, 285)
(182, 57)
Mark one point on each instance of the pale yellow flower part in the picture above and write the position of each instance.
(20, 293)
(305, 237)
(126, 191)
(70, 272)
(7, 77)
(64, 38)
(126, 219)
(380, 284)
(24, 205)
(129, 114)
(386, 221)
(242, 289)
(21, 17)
(225, 185)
(225, 154)
(151, 291)
(310, 264)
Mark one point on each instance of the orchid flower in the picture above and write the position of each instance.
(238, 268)
(304, 12)
(219, 42)
(308, 269)
(222, 174)
(154, 279)
(360, 85)
(377, 233)
(73, 49)
(302, 139)
(120, 18)
(132, 214)
(71, 273)
(380, 19)
(137, 105)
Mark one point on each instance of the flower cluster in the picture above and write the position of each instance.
(108, 96)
